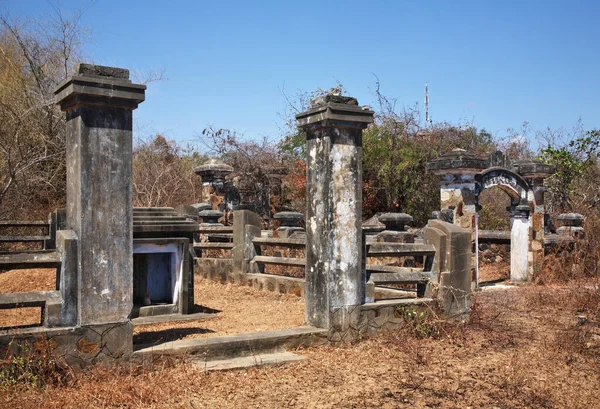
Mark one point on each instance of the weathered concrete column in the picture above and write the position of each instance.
(520, 224)
(535, 172)
(99, 102)
(335, 279)
(457, 185)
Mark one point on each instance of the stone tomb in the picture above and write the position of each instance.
(162, 262)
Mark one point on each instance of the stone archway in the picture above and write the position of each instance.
(464, 176)
(520, 193)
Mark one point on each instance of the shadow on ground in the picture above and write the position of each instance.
(167, 335)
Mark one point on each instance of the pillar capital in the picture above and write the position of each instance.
(335, 111)
(100, 86)
(457, 162)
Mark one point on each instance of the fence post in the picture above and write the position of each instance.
(246, 226)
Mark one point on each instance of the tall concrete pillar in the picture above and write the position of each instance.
(99, 102)
(335, 279)
(535, 172)
(520, 224)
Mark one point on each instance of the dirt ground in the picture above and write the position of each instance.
(490, 273)
(526, 347)
(239, 310)
(15, 281)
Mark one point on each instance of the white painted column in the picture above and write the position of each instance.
(520, 224)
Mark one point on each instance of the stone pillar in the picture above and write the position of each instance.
(213, 174)
(289, 222)
(457, 169)
(572, 225)
(246, 226)
(99, 102)
(520, 223)
(534, 172)
(458, 189)
(395, 228)
(454, 285)
(335, 278)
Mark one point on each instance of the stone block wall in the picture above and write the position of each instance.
(223, 271)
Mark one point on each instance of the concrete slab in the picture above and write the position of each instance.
(277, 358)
(235, 345)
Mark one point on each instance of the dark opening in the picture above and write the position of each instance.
(152, 278)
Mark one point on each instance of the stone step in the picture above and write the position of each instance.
(494, 236)
(165, 228)
(34, 259)
(215, 229)
(163, 221)
(281, 261)
(234, 345)
(157, 218)
(277, 358)
(153, 209)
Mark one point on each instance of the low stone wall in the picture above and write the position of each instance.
(78, 346)
(222, 270)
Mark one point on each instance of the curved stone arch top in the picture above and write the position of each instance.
(510, 182)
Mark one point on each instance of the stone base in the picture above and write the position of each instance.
(352, 323)
(78, 346)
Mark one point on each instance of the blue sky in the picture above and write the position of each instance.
(495, 64)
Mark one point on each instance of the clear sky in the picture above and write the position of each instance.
(495, 64)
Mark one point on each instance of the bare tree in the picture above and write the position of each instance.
(254, 163)
(35, 56)
(163, 173)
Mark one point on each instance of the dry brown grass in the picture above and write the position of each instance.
(14, 281)
(523, 348)
(242, 310)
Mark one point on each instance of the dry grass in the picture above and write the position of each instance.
(22, 281)
(242, 310)
(527, 347)
(15, 281)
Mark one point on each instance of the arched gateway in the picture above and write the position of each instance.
(464, 177)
